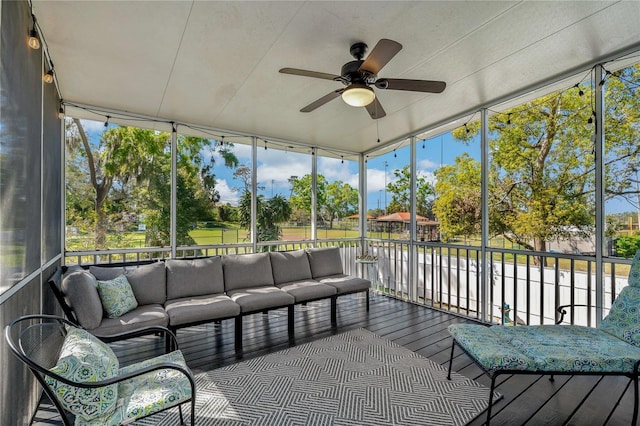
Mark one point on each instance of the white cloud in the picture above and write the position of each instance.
(227, 194)
(427, 164)
(91, 126)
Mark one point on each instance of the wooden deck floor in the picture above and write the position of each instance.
(528, 399)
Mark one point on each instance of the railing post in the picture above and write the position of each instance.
(314, 196)
(174, 191)
(599, 152)
(412, 249)
(362, 198)
(254, 193)
(484, 203)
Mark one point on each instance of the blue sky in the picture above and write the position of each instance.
(276, 166)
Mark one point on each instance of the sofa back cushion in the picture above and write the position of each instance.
(148, 282)
(290, 266)
(324, 261)
(194, 277)
(81, 294)
(247, 270)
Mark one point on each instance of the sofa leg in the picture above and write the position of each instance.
(333, 311)
(290, 321)
(367, 300)
(238, 333)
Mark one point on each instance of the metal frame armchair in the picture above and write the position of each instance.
(58, 353)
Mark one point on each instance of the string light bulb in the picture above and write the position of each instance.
(590, 120)
(265, 144)
(394, 154)
(61, 112)
(48, 76)
(342, 159)
(466, 128)
(508, 119)
(580, 91)
(106, 123)
(33, 41)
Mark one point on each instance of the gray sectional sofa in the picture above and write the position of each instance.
(180, 293)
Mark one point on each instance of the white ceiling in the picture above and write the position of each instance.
(216, 64)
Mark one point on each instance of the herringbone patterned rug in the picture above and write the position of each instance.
(354, 378)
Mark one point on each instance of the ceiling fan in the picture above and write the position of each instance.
(360, 75)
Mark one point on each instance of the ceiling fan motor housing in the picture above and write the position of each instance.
(351, 73)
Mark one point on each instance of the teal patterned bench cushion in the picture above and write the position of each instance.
(551, 348)
(486, 347)
(149, 393)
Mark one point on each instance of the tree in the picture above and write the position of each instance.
(341, 200)
(301, 193)
(457, 205)
(541, 177)
(400, 188)
(127, 158)
(270, 214)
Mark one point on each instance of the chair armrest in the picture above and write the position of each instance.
(122, 378)
(561, 310)
(155, 329)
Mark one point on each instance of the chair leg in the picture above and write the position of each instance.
(453, 346)
(181, 417)
(193, 411)
(493, 385)
(635, 400)
(552, 379)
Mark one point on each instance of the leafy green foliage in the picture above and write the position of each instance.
(270, 213)
(400, 189)
(627, 246)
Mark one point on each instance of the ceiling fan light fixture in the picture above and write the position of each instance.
(358, 95)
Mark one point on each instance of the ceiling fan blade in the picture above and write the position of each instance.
(314, 74)
(375, 109)
(384, 51)
(323, 100)
(429, 86)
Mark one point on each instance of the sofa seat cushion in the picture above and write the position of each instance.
(308, 290)
(151, 392)
(290, 266)
(324, 261)
(188, 310)
(259, 298)
(194, 277)
(551, 347)
(247, 271)
(346, 283)
(142, 316)
(147, 281)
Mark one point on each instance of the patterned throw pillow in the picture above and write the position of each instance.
(117, 296)
(84, 358)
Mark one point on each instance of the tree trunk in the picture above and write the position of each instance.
(541, 246)
(101, 226)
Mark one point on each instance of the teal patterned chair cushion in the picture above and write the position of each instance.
(488, 349)
(634, 273)
(623, 320)
(84, 358)
(546, 348)
(116, 296)
(149, 393)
